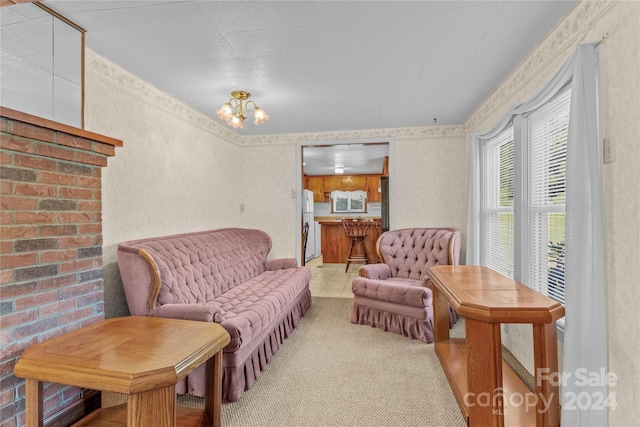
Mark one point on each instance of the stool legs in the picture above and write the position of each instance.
(363, 258)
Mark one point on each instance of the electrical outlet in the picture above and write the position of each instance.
(294, 193)
(609, 151)
(241, 207)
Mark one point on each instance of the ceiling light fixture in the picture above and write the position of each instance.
(235, 114)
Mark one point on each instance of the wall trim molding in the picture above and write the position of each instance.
(425, 132)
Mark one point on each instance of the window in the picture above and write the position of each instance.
(548, 129)
(349, 201)
(497, 203)
(522, 204)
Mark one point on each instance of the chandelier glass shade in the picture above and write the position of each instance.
(235, 111)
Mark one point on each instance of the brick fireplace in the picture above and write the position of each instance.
(50, 245)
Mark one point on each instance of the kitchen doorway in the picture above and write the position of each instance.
(349, 169)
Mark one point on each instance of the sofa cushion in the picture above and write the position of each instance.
(256, 305)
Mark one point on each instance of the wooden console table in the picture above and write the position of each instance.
(487, 390)
(139, 357)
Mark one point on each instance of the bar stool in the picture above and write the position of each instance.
(305, 238)
(356, 230)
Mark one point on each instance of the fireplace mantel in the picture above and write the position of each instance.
(50, 242)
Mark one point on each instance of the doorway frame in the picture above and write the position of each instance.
(300, 178)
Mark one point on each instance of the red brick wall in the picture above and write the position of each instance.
(50, 244)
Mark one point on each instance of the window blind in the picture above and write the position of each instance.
(497, 215)
(547, 153)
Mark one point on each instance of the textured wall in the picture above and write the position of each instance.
(430, 183)
(268, 180)
(174, 174)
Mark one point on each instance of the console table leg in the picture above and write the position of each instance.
(214, 388)
(484, 368)
(154, 408)
(34, 404)
(545, 353)
(440, 316)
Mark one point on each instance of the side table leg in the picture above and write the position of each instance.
(214, 388)
(545, 352)
(484, 373)
(34, 405)
(154, 408)
(440, 315)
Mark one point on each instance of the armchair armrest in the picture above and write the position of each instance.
(388, 290)
(207, 312)
(280, 264)
(375, 271)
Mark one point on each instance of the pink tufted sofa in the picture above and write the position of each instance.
(396, 295)
(220, 276)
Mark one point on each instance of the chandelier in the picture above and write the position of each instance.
(235, 114)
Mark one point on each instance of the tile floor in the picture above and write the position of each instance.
(330, 280)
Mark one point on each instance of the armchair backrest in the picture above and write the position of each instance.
(409, 252)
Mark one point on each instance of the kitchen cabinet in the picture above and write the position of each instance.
(323, 185)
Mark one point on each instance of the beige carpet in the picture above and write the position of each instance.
(330, 372)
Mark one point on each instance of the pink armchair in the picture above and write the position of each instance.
(396, 295)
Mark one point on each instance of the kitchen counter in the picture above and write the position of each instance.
(336, 245)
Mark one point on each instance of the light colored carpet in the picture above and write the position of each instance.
(330, 372)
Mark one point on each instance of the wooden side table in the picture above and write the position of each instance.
(139, 357)
(488, 392)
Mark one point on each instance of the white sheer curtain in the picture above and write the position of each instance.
(585, 335)
(473, 218)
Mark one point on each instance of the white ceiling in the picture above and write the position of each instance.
(319, 66)
(354, 158)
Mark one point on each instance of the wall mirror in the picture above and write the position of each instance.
(42, 63)
(349, 201)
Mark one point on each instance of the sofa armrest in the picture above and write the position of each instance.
(388, 290)
(375, 271)
(207, 312)
(280, 264)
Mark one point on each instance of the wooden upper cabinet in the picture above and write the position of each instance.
(315, 184)
(321, 185)
(373, 195)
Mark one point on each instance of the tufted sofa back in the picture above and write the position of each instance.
(193, 267)
(409, 252)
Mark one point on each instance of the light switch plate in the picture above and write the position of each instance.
(609, 151)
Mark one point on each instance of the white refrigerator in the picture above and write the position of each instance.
(308, 217)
